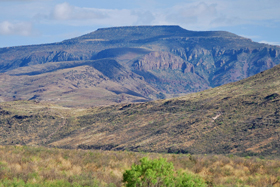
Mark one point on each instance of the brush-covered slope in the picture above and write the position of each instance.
(241, 117)
(169, 60)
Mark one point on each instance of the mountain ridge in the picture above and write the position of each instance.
(172, 61)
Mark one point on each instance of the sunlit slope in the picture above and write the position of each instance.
(240, 117)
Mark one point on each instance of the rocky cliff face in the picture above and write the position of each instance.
(167, 59)
(162, 60)
(220, 66)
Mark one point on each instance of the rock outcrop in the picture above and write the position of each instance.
(162, 60)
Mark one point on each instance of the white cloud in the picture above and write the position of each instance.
(62, 11)
(65, 11)
(209, 14)
(21, 28)
(200, 14)
(143, 17)
(270, 43)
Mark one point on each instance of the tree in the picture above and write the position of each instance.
(159, 173)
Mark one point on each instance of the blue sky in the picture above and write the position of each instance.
(25, 22)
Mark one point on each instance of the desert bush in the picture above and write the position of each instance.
(158, 172)
(198, 168)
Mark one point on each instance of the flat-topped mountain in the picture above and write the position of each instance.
(139, 33)
(130, 64)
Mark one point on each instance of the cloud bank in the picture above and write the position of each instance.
(65, 11)
(194, 14)
(21, 28)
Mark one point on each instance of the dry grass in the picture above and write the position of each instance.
(36, 165)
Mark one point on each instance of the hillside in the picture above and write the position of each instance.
(238, 118)
(130, 64)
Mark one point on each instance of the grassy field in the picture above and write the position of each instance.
(29, 165)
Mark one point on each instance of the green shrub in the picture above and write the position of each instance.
(159, 172)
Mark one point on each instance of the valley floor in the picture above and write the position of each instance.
(41, 166)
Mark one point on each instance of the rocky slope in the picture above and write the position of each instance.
(237, 118)
(148, 62)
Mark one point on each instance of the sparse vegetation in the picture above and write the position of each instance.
(39, 166)
(230, 119)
